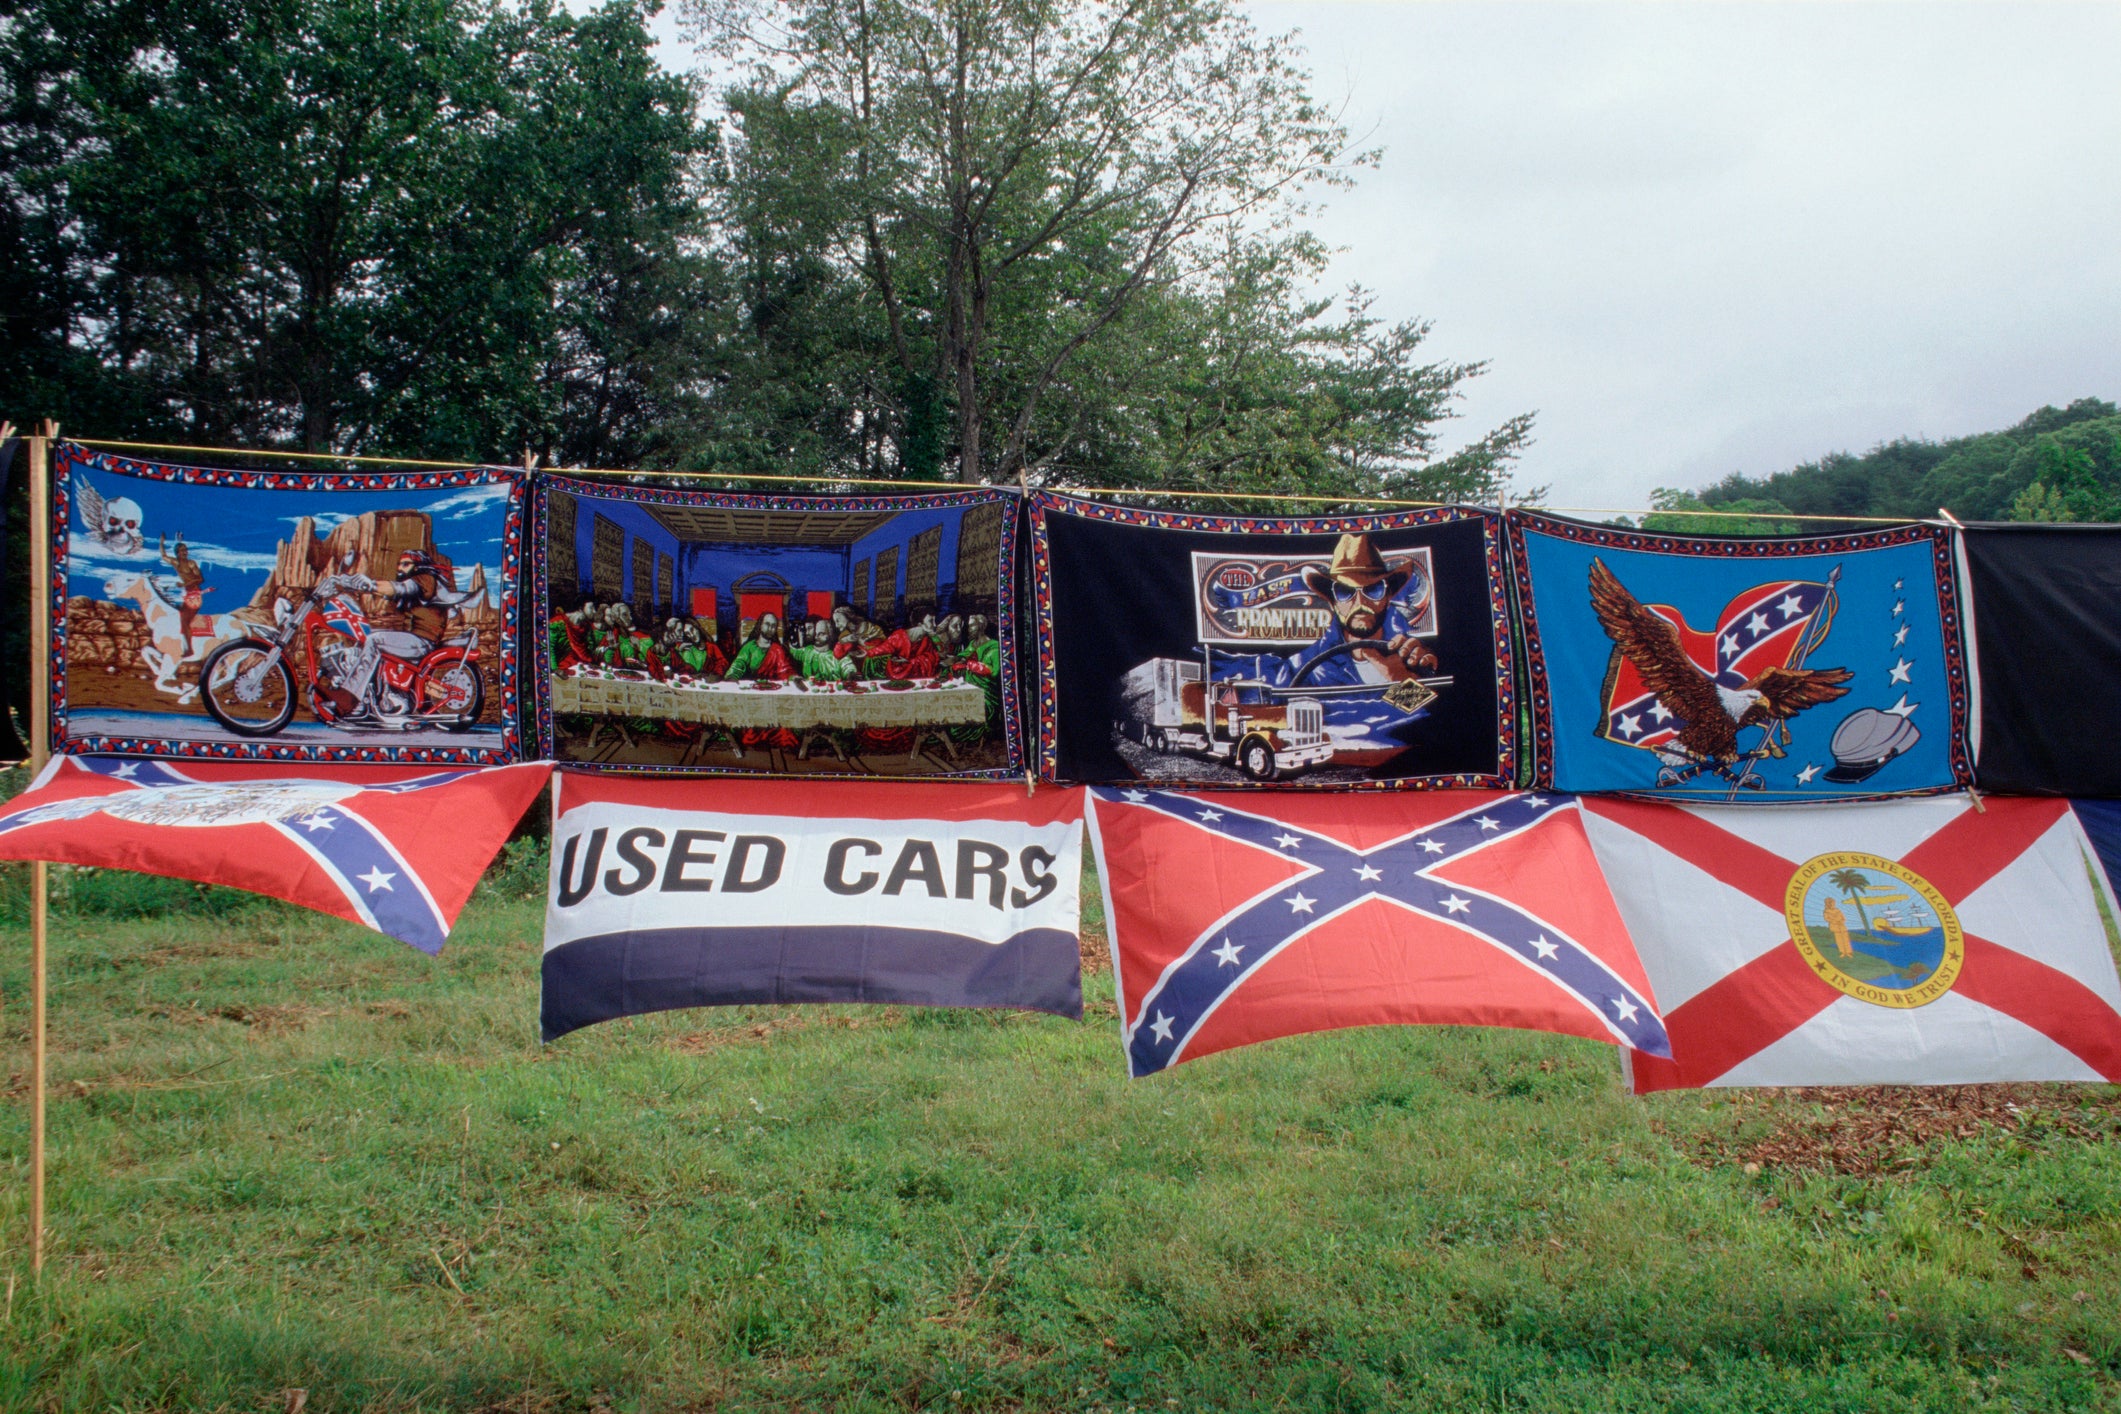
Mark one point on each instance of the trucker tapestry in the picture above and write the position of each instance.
(1339, 651)
(1760, 668)
(2044, 617)
(691, 631)
(284, 616)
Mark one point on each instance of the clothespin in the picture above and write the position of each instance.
(1950, 517)
(530, 460)
(7, 430)
(50, 430)
(1030, 782)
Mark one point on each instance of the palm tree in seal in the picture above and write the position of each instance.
(1854, 884)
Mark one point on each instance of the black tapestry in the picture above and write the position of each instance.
(2047, 647)
(1222, 650)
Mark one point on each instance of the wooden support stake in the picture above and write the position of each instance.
(40, 745)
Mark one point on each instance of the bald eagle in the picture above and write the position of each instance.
(1711, 714)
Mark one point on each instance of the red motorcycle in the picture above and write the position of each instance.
(360, 677)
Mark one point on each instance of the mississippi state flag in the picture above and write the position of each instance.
(677, 893)
(394, 848)
(1240, 918)
(1919, 942)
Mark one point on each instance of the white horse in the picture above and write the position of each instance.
(168, 647)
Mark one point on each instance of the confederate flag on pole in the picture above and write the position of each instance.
(1240, 918)
(1913, 942)
(394, 848)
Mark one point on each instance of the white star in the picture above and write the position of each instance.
(1903, 708)
(1544, 948)
(1631, 725)
(1731, 645)
(1209, 815)
(1134, 797)
(1228, 952)
(1900, 637)
(1535, 801)
(1287, 841)
(1625, 1009)
(1899, 671)
(1433, 846)
(376, 878)
(1161, 1029)
(1898, 605)
(1487, 823)
(1367, 872)
(126, 772)
(1455, 904)
(1791, 606)
(1658, 711)
(1804, 777)
(1897, 583)
(1758, 623)
(318, 821)
(1299, 904)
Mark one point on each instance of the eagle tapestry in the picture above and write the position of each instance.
(1337, 652)
(690, 632)
(284, 616)
(1736, 669)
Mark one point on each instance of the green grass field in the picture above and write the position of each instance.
(290, 1156)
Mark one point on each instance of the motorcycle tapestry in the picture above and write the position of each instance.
(1762, 668)
(284, 616)
(691, 632)
(1338, 652)
(2045, 620)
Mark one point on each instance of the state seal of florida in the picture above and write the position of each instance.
(1874, 929)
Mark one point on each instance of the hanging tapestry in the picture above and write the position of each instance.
(1907, 942)
(1240, 918)
(2045, 620)
(1329, 652)
(394, 848)
(669, 893)
(770, 635)
(1736, 669)
(288, 616)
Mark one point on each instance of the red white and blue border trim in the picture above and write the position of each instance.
(1005, 629)
(1045, 503)
(1950, 607)
(71, 457)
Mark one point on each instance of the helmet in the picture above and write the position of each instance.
(417, 561)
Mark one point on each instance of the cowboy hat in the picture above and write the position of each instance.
(1356, 561)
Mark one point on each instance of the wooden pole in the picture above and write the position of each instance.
(40, 745)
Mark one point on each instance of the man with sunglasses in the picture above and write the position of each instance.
(1363, 587)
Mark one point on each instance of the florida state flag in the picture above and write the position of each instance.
(1919, 942)
(1237, 919)
(393, 848)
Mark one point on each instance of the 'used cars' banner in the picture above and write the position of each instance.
(669, 893)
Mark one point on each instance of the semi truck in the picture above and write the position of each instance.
(1169, 705)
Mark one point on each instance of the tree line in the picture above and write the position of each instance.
(1057, 241)
(2059, 464)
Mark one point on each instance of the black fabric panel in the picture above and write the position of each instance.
(625, 974)
(16, 636)
(2047, 631)
(1123, 594)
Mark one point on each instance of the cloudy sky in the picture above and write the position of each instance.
(1706, 238)
(1714, 237)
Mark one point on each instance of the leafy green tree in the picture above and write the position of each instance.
(1051, 239)
(1684, 513)
(1980, 477)
(343, 225)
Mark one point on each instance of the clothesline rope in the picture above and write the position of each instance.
(1280, 498)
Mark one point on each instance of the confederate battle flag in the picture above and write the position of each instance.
(1240, 918)
(393, 848)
